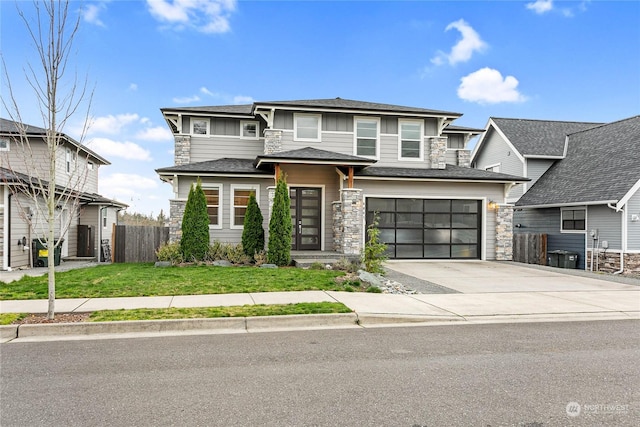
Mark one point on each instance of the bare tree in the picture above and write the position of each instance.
(59, 98)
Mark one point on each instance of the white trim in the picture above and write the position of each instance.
(574, 208)
(249, 122)
(542, 157)
(322, 209)
(295, 127)
(495, 165)
(420, 123)
(232, 188)
(412, 179)
(219, 187)
(207, 123)
(629, 195)
(356, 119)
(560, 205)
(434, 114)
(210, 174)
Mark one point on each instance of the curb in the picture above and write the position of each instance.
(8, 332)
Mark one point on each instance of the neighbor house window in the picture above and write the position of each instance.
(574, 219)
(70, 160)
(4, 145)
(213, 195)
(410, 140)
(366, 137)
(249, 130)
(306, 127)
(200, 126)
(239, 201)
(90, 166)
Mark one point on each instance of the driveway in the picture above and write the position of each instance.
(494, 276)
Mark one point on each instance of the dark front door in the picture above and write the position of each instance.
(306, 204)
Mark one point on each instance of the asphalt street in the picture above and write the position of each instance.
(528, 374)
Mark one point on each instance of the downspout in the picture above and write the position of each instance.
(623, 241)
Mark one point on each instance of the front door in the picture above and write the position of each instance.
(306, 205)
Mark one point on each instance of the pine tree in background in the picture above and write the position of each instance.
(280, 227)
(194, 242)
(253, 233)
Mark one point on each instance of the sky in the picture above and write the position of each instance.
(532, 59)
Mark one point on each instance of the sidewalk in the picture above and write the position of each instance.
(370, 310)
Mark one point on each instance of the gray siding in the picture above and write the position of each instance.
(535, 169)
(496, 151)
(210, 148)
(633, 228)
(608, 223)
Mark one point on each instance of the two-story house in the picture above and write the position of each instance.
(344, 161)
(81, 225)
(584, 192)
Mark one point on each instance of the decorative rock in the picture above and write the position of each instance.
(162, 264)
(268, 266)
(387, 286)
(222, 263)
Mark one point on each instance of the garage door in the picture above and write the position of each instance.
(428, 228)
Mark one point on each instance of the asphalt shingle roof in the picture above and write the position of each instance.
(451, 172)
(224, 166)
(539, 137)
(602, 164)
(310, 153)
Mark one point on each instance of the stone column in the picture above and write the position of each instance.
(352, 221)
(464, 158)
(438, 153)
(272, 141)
(176, 212)
(336, 208)
(182, 155)
(272, 195)
(504, 233)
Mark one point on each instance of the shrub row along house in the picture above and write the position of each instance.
(83, 217)
(344, 161)
(584, 191)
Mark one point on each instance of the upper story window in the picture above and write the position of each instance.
(410, 140)
(367, 137)
(199, 126)
(213, 195)
(90, 166)
(249, 130)
(70, 160)
(4, 145)
(306, 127)
(574, 219)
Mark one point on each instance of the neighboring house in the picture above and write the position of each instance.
(588, 201)
(22, 220)
(523, 147)
(344, 160)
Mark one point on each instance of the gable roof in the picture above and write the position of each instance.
(534, 138)
(313, 155)
(601, 165)
(10, 127)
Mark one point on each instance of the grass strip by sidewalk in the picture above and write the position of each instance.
(9, 318)
(211, 312)
(137, 280)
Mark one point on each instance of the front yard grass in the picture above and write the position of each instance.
(137, 280)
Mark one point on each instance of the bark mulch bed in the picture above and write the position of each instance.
(59, 318)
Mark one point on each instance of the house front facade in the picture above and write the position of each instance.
(345, 162)
(83, 218)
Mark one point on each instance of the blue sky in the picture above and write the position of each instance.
(544, 59)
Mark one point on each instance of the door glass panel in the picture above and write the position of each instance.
(408, 236)
(467, 206)
(464, 251)
(436, 251)
(437, 221)
(310, 212)
(306, 203)
(390, 252)
(385, 219)
(465, 220)
(310, 192)
(437, 236)
(464, 236)
(308, 231)
(309, 221)
(388, 236)
(409, 251)
(409, 220)
(309, 240)
(381, 205)
(409, 205)
(437, 205)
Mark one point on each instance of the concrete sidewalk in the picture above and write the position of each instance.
(370, 310)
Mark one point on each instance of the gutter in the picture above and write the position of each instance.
(624, 236)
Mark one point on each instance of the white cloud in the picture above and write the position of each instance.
(466, 46)
(91, 12)
(241, 99)
(487, 86)
(540, 6)
(111, 124)
(206, 16)
(133, 87)
(186, 99)
(206, 91)
(158, 134)
(126, 150)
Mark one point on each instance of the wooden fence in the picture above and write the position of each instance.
(530, 248)
(136, 243)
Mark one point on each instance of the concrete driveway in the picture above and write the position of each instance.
(494, 276)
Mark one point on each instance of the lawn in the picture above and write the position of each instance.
(134, 280)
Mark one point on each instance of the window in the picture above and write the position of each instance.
(410, 140)
(4, 145)
(366, 137)
(249, 130)
(213, 195)
(90, 166)
(574, 220)
(104, 217)
(70, 160)
(239, 201)
(200, 126)
(306, 127)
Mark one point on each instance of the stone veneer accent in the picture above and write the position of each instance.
(336, 208)
(182, 154)
(272, 195)
(176, 212)
(352, 221)
(609, 262)
(504, 233)
(272, 141)
(438, 153)
(464, 158)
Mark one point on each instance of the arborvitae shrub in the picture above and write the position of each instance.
(194, 242)
(279, 247)
(253, 233)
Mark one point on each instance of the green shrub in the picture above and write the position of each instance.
(373, 254)
(343, 264)
(280, 227)
(194, 242)
(253, 233)
(170, 251)
(374, 290)
(260, 258)
(317, 266)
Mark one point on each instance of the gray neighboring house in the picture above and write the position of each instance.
(588, 200)
(344, 161)
(22, 220)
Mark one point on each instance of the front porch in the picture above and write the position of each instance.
(307, 258)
